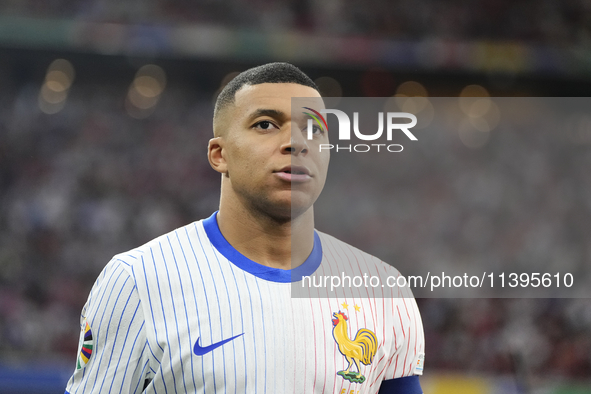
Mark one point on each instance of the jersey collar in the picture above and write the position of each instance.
(262, 271)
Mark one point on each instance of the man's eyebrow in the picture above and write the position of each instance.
(267, 112)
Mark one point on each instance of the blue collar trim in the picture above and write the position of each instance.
(262, 271)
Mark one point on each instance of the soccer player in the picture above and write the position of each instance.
(208, 308)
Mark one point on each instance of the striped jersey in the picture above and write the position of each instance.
(188, 313)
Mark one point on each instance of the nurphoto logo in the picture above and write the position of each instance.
(392, 118)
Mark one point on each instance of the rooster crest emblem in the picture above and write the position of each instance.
(361, 349)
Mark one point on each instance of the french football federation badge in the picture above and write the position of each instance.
(360, 350)
(85, 347)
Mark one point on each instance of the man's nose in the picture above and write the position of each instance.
(297, 143)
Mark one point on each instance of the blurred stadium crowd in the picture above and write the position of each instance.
(546, 22)
(90, 181)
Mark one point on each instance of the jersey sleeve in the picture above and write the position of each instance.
(113, 351)
(408, 347)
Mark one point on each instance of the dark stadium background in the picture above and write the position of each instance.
(91, 169)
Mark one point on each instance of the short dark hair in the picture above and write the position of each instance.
(267, 73)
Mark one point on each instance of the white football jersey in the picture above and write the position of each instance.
(188, 313)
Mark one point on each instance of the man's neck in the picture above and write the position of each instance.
(276, 244)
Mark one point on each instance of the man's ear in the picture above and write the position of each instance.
(215, 155)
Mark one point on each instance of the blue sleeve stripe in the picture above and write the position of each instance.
(242, 325)
(110, 288)
(122, 347)
(150, 303)
(208, 309)
(166, 335)
(140, 358)
(194, 294)
(406, 385)
(218, 305)
(178, 270)
(176, 322)
(193, 247)
(117, 336)
(253, 329)
(103, 349)
(231, 315)
(264, 334)
(141, 374)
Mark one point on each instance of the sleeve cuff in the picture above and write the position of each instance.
(405, 385)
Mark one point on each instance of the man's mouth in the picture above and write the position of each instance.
(294, 174)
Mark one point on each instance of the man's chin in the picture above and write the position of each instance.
(286, 206)
(299, 208)
(286, 211)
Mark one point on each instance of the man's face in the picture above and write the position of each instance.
(270, 163)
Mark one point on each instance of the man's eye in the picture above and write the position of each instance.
(264, 125)
(317, 130)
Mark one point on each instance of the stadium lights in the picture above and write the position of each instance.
(55, 88)
(412, 97)
(482, 116)
(145, 91)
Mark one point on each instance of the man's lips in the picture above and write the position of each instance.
(294, 174)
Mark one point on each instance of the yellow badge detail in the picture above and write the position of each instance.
(362, 349)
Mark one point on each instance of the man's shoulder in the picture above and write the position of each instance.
(156, 249)
(335, 249)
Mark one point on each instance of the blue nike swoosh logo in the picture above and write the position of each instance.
(200, 351)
